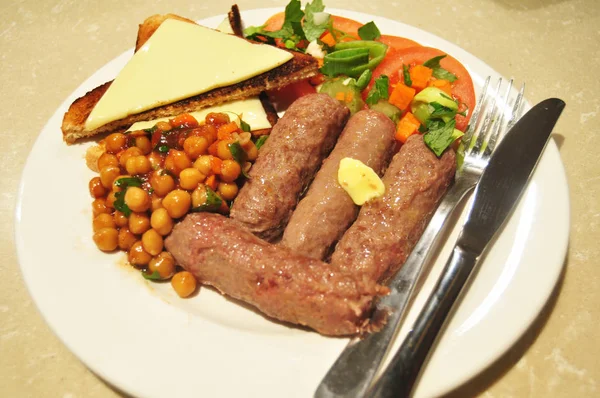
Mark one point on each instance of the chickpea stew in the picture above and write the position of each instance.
(149, 179)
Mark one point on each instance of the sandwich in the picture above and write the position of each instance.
(181, 67)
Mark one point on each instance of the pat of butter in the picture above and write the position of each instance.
(359, 180)
(181, 60)
(250, 110)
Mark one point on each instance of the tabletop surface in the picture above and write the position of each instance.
(49, 47)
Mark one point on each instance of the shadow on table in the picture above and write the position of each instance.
(500, 367)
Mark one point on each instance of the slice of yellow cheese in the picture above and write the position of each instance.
(178, 61)
(359, 181)
(250, 110)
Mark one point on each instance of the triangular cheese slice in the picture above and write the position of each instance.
(178, 61)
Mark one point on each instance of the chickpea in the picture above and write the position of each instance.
(162, 183)
(204, 164)
(110, 200)
(163, 264)
(156, 160)
(228, 190)
(137, 199)
(177, 161)
(126, 239)
(103, 220)
(195, 146)
(244, 138)
(152, 242)
(190, 178)
(199, 196)
(137, 254)
(161, 221)
(129, 152)
(138, 165)
(120, 219)
(251, 150)
(108, 175)
(144, 144)
(183, 283)
(96, 188)
(184, 120)
(223, 151)
(107, 159)
(230, 170)
(99, 207)
(106, 239)
(163, 126)
(156, 202)
(139, 223)
(177, 203)
(207, 131)
(115, 142)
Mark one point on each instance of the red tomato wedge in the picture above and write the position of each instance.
(348, 26)
(397, 43)
(462, 88)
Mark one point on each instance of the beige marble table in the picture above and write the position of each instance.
(49, 47)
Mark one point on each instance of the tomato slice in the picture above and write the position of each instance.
(397, 42)
(346, 25)
(462, 88)
(283, 97)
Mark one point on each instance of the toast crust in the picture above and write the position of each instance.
(300, 67)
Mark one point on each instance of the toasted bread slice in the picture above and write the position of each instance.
(235, 21)
(300, 67)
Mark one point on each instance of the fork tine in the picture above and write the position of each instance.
(482, 133)
(475, 116)
(497, 128)
(516, 112)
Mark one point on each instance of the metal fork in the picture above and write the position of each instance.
(354, 370)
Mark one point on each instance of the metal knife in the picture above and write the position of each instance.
(501, 185)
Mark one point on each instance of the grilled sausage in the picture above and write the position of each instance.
(287, 162)
(387, 229)
(326, 212)
(287, 286)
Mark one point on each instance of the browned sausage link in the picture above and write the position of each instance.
(287, 162)
(327, 211)
(387, 229)
(280, 283)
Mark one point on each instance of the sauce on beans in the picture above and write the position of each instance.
(149, 179)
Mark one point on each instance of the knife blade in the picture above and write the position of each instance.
(501, 185)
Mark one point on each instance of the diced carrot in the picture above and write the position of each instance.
(349, 97)
(340, 96)
(420, 76)
(328, 39)
(211, 182)
(407, 126)
(215, 164)
(213, 148)
(225, 130)
(184, 120)
(442, 84)
(401, 96)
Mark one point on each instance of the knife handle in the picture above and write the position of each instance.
(403, 371)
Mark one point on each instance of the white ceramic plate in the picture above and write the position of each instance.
(143, 339)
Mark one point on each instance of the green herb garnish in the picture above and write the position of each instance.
(438, 71)
(213, 202)
(261, 141)
(124, 183)
(155, 276)
(379, 91)
(163, 148)
(440, 138)
(312, 30)
(406, 75)
(369, 31)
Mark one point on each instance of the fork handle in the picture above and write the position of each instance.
(403, 371)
